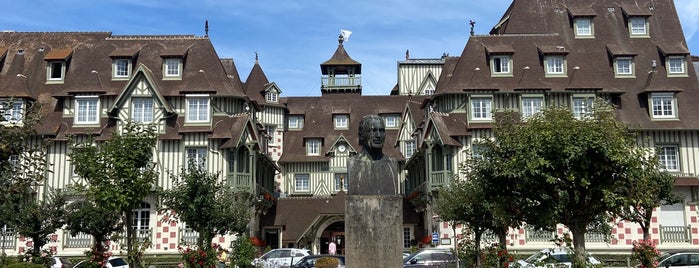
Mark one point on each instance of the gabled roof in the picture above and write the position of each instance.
(447, 127)
(142, 72)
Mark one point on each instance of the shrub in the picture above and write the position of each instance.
(327, 262)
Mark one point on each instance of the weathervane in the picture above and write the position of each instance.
(472, 23)
(206, 28)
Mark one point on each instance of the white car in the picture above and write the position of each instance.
(112, 262)
(281, 257)
(552, 258)
(60, 262)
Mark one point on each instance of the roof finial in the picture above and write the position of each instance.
(472, 23)
(407, 54)
(256, 58)
(206, 28)
(340, 39)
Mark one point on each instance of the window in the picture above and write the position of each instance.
(313, 147)
(198, 109)
(341, 121)
(638, 26)
(302, 182)
(238, 160)
(407, 237)
(272, 96)
(481, 108)
(196, 157)
(663, 105)
(669, 158)
(501, 65)
(55, 72)
(391, 120)
(676, 65)
(623, 67)
(477, 151)
(295, 122)
(86, 110)
(555, 65)
(14, 161)
(142, 110)
(409, 148)
(141, 218)
(122, 68)
(173, 68)
(531, 106)
(340, 181)
(429, 90)
(271, 131)
(583, 27)
(582, 106)
(15, 113)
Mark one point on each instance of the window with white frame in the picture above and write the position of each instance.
(313, 147)
(340, 181)
(481, 108)
(476, 151)
(271, 131)
(623, 66)
(142, 110)
(583, 27)
(531, 105)
(391, 120)
(122, 68)
(555, 65)
(501, 65)
(86, 110)
(582, 106)
(676, 65)
(141, 219)
(638, 26)
(172, 68)
(669, 157)
(198, 109)
(196, 157)
(341, 121)
(15, 113)
(663, 105)
(272, 96)
(295, 122)
(55, 71)
(302, 182)
(429, 90)
(409, 148)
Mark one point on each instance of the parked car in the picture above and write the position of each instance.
(431, 257)
(281, 257)
(310, 260)
(684, 259)
(60, 262)
(112, 262)
(552, 258)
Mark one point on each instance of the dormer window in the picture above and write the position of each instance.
(313, 147)
(56, 71)
(295, 122)
(272, 96)
(501, 65)
(676, 66)
(198, 110)
(172, 68)
(663, 105)
(13, 114)
(583, 27)
(638, 27)
(121, 69)
(624, 67)
(392, 120)
(341, 121)
(87, 110)
(555, 65)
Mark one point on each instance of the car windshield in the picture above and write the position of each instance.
(536, 257)
(117, 262)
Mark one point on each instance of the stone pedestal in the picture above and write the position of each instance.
(373, 230)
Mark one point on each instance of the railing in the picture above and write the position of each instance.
(7, 238)
(595, 237)
(539, 236)
(80, 240)
(188, 236)
(675, 234)
(240, 181)
(439, 179)
(340, 81)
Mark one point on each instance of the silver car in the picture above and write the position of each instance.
(281, 257)
(431, 257)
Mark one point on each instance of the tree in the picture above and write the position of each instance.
(554, 168)
(118, 173)
(39, 219)
(206, 205)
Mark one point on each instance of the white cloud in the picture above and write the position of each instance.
(688, 11)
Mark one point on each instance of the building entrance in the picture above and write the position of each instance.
(335, 233)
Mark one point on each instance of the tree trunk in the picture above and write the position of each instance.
(478, 232)
(579, 247)
(502, 237)
(130, 235)
(645, 226)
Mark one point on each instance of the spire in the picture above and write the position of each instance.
(407, 54)
(206, 28)
(256, 58)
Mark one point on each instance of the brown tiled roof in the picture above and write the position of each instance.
(318, 122)
(448, 127)
(340, 58)
(256, 83)
(589, 60)
(59, 54)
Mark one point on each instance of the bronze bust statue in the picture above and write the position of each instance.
(371, 172)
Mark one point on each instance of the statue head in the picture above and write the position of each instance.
(372, 132)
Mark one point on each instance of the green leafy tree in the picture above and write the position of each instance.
(118, 173)
(87, 217)
(555, 168)
(38, 220)
(243, 252)
(207, 205)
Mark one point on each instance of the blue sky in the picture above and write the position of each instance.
(292, 37)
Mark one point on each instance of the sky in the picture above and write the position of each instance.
(293, 37)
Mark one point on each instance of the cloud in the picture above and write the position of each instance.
(688, 11)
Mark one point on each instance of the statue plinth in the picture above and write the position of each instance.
(373, 230)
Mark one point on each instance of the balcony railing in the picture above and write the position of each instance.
(240, 181)
(675, 234)
(539, 236)
(595, 237)
(7, 238)
(439, 179)
(80, 240)
(340, 81)
(188, 236)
